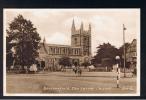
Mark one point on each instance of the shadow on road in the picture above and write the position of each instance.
(87, 76)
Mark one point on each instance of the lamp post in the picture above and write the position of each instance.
(118, 70)
(124, 49)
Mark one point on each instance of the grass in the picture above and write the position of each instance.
(67, 82)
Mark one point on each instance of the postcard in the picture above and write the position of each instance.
(71, 52)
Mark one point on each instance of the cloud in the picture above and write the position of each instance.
(55, 24)
(58, 38)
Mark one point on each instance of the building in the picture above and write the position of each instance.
(131, 54)
(78, 51)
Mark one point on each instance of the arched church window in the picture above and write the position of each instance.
(75, 40)
(84, 39)
(64, 50)
(51, 50)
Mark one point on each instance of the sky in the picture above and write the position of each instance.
(106, 24)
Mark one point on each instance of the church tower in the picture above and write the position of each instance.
(86, 41)
(81, 38)
(75, 36)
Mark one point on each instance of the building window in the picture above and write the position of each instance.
(57, 50)
(73, 51)
(63, 50)
(84, 39)
(51, 50)
(75, 40)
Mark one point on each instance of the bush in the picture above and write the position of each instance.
(85, 64)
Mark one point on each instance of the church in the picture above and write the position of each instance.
(79, 51)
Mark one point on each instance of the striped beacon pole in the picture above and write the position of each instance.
(118, 71)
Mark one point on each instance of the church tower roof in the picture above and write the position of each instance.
(73, 24)
(82, 26)
(90, 27)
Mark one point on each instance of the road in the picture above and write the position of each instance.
(67, 82)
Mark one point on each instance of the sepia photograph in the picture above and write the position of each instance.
(71, 52)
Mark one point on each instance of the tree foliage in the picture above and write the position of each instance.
(106, 54)
(105, 51)
(85, 64)
(9, 53)
(22, 33)
(121, 49)
(121, 54)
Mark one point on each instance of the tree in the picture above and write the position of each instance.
(121, 54)
(105, 51)
(121, 49)
(9, 53)
(22, 33)
(85, 64)
(65, 61)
